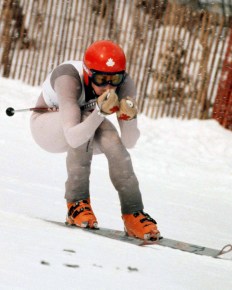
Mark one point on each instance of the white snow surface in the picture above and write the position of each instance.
(185, 174)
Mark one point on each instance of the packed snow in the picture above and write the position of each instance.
(185, 174)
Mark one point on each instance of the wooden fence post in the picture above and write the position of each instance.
(222, 110)
(6, 37)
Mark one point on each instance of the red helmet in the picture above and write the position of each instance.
(103, 56)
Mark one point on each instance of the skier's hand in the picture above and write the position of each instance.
(108, 102)
(127, 109)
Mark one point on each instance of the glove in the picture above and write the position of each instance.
(127, 109)
(108, 102)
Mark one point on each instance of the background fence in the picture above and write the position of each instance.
(177, 54)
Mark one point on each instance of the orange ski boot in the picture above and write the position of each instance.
(140, 225)
(81, 214)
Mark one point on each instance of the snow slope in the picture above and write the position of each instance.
(185, 174)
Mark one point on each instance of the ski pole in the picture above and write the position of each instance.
(11, 111)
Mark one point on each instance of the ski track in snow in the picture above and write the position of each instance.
(185, 174)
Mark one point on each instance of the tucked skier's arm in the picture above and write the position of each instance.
(129, 128)
(76, 132)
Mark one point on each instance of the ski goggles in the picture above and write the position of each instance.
(102, 79)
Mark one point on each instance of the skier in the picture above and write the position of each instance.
(100, 81)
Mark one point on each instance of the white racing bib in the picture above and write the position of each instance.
(50, 96)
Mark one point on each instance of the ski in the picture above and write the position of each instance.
(165, 242)
(108, 233)
(195, 249)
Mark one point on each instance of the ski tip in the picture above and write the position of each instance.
(225, 250)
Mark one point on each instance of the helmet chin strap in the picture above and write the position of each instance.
(92, 89)
(90, 94)
(94, 93)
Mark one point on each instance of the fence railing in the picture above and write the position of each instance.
(175, 53)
